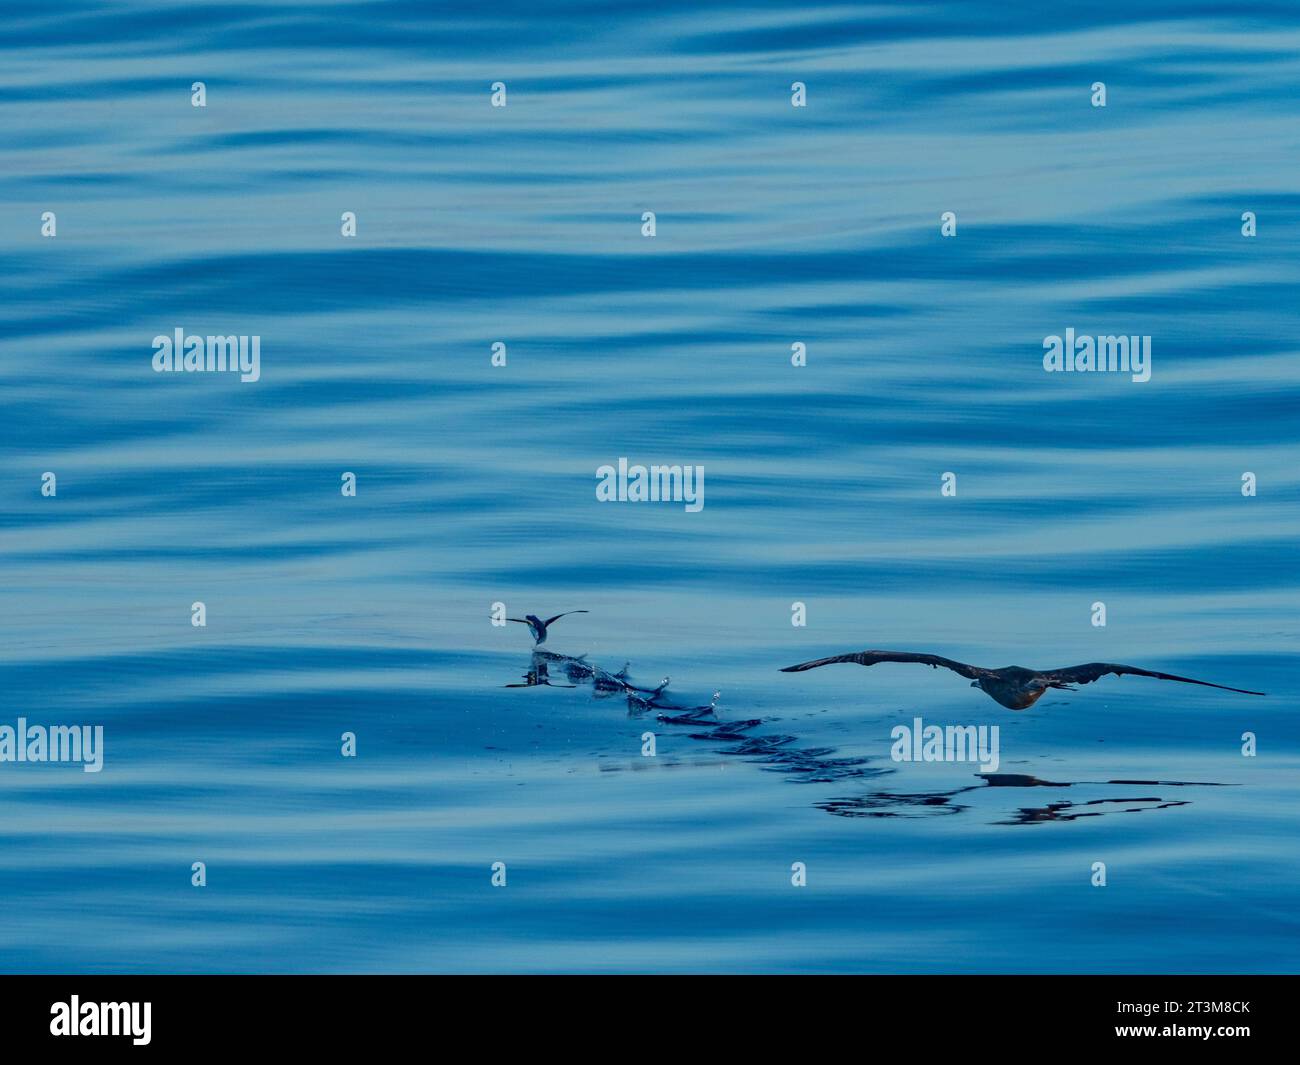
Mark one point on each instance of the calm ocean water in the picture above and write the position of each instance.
(476, 484)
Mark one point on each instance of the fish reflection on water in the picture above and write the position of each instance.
(780, 753)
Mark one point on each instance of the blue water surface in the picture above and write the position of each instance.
(775, 225)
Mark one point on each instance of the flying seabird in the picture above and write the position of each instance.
(538, 627)
(1015, 687)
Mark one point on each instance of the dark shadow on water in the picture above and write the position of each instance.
(780, 753)
(923, 804)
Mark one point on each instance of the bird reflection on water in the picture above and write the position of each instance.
(892, 804)
(780, 753)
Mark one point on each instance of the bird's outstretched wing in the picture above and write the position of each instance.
(565, 615)
(1091, 671)
(870, 658)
